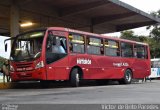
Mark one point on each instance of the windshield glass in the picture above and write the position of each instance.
(27, 46)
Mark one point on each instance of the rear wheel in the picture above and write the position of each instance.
(75, 78)
(127, 77)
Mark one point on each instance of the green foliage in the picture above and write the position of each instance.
(154, 47)
(155, 29)
(129, 34)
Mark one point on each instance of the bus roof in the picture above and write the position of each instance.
(93, 34)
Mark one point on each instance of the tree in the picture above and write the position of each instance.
(155, 29)
(154, 47)
(129, 34)
(155, 37)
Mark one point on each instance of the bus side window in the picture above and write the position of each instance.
(58, 46)
(76, 43)
(126, 49)
(55, 48)
(112, 48)
(95, 46)
(140, 51)
(63, 43)
(70, 43)
(49, 41)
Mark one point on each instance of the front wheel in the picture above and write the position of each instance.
(127, 77)
(75, 78)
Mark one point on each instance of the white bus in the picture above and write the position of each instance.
(155, 68)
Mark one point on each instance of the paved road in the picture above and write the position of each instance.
(144, 93)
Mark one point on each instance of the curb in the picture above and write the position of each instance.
(6, 85)
(14, 85)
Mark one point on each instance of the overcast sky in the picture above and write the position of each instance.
(144, 5)
(2, 50)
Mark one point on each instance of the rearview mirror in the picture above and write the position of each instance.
(6, 46)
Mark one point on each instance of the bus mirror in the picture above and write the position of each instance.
(6, 46)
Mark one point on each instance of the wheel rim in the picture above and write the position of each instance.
(77, 78)
(128, 76)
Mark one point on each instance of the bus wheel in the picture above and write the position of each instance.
(127, 77)
(75, 78)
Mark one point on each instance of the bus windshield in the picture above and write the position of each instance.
(27, 47)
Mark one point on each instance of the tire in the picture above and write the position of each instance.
(127, 77)
(75, 78)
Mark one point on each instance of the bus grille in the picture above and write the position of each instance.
(24, 67)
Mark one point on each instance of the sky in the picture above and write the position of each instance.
(2, 49)
(144, 5)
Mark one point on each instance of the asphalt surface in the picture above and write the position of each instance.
(144, 93)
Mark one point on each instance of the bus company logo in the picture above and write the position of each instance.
(120, 64)
(84, 61)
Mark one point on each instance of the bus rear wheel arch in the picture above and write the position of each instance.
(76, 76)
(127, 79)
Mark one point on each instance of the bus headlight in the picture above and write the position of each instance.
(39, 65)
(11, 68)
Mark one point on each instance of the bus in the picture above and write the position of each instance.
(155, 68)
(57, 53)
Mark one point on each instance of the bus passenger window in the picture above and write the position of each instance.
(140, 51)
(95, 46)
(126, 49)
(76, 43)
(112, 48)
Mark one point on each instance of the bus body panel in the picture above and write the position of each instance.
(58, 70)
(80, 60)
(105, 67)
(141, 68)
